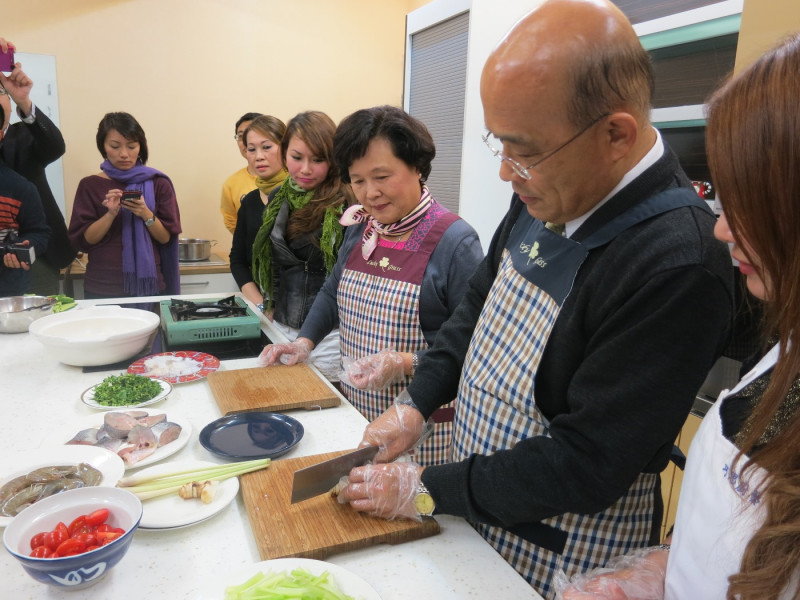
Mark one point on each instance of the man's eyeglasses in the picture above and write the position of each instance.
(522, 171)
(238, 136)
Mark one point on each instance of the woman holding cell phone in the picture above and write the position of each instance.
(126, 218)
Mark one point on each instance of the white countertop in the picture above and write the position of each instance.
(40, 401)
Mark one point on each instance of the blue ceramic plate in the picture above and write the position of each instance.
(251, 435)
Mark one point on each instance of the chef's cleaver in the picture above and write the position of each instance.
(322, 477)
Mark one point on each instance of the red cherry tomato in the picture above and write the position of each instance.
(76, 525)
(105, 537)
(88, 539)
(38, 540)
(84, 534)
(98, 517)
(41, 552)
(70, 547)
(52, 539)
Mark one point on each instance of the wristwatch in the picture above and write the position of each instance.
(423, 501)
(149, 222)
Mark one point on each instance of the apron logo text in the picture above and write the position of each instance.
(533, 253)
(384, 265)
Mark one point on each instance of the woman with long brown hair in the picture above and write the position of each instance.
(737, 530)
(300, 235)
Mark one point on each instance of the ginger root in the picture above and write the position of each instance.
(204, 490)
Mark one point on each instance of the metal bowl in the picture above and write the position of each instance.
(194, 249)
(18, 312)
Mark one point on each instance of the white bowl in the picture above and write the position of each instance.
(81, 570)
(100, 335)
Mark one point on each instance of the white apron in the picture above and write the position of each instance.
(496, 405)
(718, 512)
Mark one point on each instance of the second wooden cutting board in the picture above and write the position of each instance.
(319, 526)
(274, 388)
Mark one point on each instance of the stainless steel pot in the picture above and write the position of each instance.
(18, 312)
(194, 249)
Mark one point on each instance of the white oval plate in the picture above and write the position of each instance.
(19, 463)
(349, 583)
(88, 397)
(96, 421)
(170, 512)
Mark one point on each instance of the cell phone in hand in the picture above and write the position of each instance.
(130, 196)
(7, 60)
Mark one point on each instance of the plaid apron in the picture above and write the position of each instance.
(496, 405)
(379, 308)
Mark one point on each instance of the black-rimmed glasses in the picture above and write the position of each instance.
(522, 171)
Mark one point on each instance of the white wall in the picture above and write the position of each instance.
(484, 197)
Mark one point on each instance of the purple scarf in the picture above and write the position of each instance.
(139, 274)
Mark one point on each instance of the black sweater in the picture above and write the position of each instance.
(648, 315)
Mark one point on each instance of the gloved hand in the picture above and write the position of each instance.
(636, 576)
(397, 430)
(374, 371)
(386, 491)
(289, 354)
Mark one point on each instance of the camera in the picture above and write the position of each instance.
(10, 245)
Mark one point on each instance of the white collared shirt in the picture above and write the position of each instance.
(645, 163)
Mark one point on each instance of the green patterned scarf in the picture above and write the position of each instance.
(297, 198)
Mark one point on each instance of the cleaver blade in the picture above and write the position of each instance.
(322, 477)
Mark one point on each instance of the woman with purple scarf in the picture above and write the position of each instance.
(132, 243)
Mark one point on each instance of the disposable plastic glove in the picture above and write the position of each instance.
(397, 430)
(374, 371)
(288, 354)
(386, 490)
(636, 576)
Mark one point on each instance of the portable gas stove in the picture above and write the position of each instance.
(221, 320)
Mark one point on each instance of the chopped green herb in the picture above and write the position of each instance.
(124, 390)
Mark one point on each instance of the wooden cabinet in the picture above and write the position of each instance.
(202, 277)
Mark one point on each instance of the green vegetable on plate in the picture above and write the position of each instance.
(125, 390)
(299, 585)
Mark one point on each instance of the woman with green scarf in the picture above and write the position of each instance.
(298, 242)
(262, 148)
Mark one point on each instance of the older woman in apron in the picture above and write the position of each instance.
(737, 530)
(402, 269)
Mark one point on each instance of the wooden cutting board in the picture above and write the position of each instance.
(319, 526)
(273, 388)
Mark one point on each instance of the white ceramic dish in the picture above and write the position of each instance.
(349, 583)
(88, 398)
(96, 421)
(19, 463)
(100, 335)
(171, 512)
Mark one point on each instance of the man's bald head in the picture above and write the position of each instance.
(585, 50)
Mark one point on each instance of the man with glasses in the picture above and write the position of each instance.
(575, 358)
(29, 145)
(242, 181)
